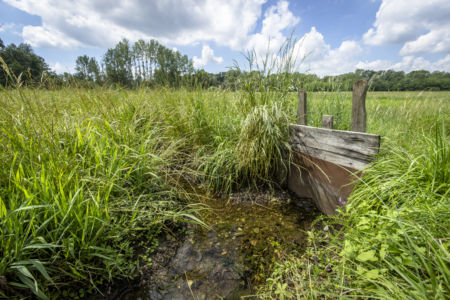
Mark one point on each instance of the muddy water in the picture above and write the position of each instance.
(248, 233)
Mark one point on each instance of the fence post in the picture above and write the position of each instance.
(327, 121)
(359, 106)
(301, 110)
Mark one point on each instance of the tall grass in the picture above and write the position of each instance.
(257, 151)
(392, 240)
(87, 176)
(405, 200)
(83, 178)
(87, 173)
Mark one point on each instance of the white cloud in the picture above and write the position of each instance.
(317, 57)
(102, 23)
(422, 26)
(311, 53)
(207, 58)
(375, 65)
(418, 26)
(442, 64)
(277, 18)
(408, 63)
(342, 59)
(61, 68)
(7, 27)
(11, 28)
(312, 47)
(337, 61)
(436, 41)
(47, 37)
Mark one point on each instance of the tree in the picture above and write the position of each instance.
(22, 61)
(118, 64)
(151, 63)
(94, 70)
(81, 66)
(87, 69)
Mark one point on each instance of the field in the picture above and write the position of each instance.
(87, 176)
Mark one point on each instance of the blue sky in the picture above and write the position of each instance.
(333, 36)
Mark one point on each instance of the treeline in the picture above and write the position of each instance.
(391, 80)
(132, 65)
(151, 64)
(127, 65)
(378, 80)
(20, 64)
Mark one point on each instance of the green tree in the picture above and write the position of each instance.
(82, 66)
(118, 64)
(87, 69)
(171, 67)
(22, 61)
(94, 70)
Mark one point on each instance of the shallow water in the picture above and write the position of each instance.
(235, 255)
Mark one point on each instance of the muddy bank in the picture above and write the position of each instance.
(248, 233)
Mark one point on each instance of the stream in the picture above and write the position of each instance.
(248, 233)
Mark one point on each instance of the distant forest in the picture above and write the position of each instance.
(151, 64)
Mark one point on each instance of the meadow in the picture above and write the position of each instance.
(90, 176)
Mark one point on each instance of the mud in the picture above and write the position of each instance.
(248, 233)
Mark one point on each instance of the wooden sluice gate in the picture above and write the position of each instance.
(326, 162)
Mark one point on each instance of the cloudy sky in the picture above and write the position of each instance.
(333, 36)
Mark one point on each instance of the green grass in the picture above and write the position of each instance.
(392, 240)
(85, 175)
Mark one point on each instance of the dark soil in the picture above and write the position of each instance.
(249, 232)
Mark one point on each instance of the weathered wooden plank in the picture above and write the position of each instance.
(327, 121)
(350, 162)
(347, 148)
(337, 138)
(298, 179)
(328, 184)
(359, 106)
(302, 110)
(334, 145)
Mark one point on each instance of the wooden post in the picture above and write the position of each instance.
(301, 110)
(327, 121)
(359, 106)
